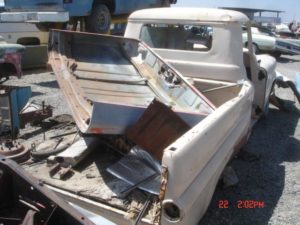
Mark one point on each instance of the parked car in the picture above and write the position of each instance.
(265, 41)
(26, 34)
(262, 42)
(10, 59)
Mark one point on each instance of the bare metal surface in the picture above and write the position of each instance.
(134, 171)
(99, 74)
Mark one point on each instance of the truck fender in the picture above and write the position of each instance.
(284, 82)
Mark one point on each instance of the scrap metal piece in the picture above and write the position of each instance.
(278, 102)
(15, 182)
(53, 146)
(163, 183)
(77, 151)
(29, 205)
(65, 172)
(126, 192)
(14, 150)
(133, 170)
(54, 169)
(64, 134)
(62, 172)
(284, 82)
(29, 218)
(12, 100)
(33, 113)
(142, 212)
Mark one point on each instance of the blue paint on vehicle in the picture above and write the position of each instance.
(18, 97)
(297, 82)
(80, 7)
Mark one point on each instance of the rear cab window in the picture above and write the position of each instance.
(179, 37)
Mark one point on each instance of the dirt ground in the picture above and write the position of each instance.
(268, 168)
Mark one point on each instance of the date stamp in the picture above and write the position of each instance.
(242, 204)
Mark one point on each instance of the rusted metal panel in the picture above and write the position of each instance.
(35, 115)
(157, 128)
(14, 150)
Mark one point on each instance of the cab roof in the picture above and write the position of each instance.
(188, 15)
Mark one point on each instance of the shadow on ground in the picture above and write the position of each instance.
(36, 71)
(261, 179)
(48, 84)
(36, 93)
(284, 59)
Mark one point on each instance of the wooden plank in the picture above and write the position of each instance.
(157, 128)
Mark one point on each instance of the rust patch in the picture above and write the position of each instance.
(163, 183)
(157, 128)
(15, 151)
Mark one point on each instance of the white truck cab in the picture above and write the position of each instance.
(206, 43)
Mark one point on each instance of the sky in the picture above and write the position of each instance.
(291, 7)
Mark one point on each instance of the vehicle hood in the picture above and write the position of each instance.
(262, 37)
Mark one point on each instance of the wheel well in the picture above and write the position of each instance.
(253, 43)
(29, 41)
(262, 74)
(7, 69)
(111, 4)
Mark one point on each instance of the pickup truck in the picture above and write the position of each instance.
(54, 13)
(113, 86)
(120, 91)
(35, 41)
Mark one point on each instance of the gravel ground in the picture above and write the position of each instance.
(44, 88)
(268, 168)
(270, 172)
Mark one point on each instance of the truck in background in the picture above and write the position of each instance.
(95, 14)
(35, 41)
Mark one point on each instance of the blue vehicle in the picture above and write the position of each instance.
(96, 14)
